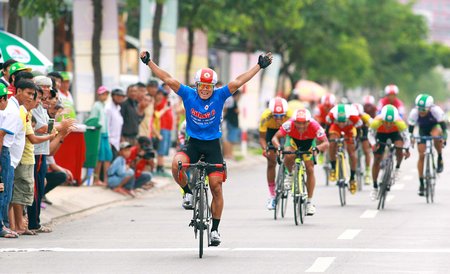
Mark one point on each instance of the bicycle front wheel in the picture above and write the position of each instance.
(298, 217)
(428, 189)
(387, 176)
(279, 192)
(200, 221)
(341, 181)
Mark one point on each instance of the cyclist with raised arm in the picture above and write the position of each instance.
(269, 123)
(204, 107)
(302, 130)
(391, 98)
(430, 119)
(387, 126)
(344, 118)
(364, 141)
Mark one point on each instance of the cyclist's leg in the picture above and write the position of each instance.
(188, 154)
(334, 132)
(271, 163)
(351, 149)
(438, 144)
(399, 152)
(310, 179)
(289, 159)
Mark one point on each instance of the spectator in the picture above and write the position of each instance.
(232, 122)
(120, 175)
(105, 152)
(142, 156)
(128, 109)
(115, 120)
(163, 124)
(24, 96)
(8, 125)
(23, 192)
(152, 87)
(14, 70)
(145, 110)
(5, 72)
(63, 86)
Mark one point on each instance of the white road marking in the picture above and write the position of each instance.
(321, 264)
(252, 249)
(370, 213)
(349, 234)
(398, 186)
(390, 197)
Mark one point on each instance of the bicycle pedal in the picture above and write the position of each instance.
(192, 223)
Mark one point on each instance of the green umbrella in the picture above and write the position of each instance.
(12, 46)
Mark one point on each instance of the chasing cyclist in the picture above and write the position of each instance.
(320, 112)
(390, 98)
(271, 120)
(302, 130)
(344, 119)
(369, 105)
(364, 142)
(204, 107)
(387, 125)
(431, 121)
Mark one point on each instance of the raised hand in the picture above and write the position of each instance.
(265, 60)
(145, 57)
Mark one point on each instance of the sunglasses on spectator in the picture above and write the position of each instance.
(278, 116)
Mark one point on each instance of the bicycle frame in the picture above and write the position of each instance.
(341, 168)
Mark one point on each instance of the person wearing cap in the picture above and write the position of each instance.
(163, 125)
(23, 193)
(105, 152)
(120, 175)
(114, 119)
(391, 98)
(65, 86)
(14, 69)
(302, 130)
(5, 72)
(7, 129)
(15, 116)
(204, 107)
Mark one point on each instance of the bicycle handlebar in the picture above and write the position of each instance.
(201, 165)
(391, 145)
(427, 137)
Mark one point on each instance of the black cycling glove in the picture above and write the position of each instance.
(146, 58)
(264, 61)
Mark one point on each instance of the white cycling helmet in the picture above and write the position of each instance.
(278, 106)
(206, 75)
(389, 113)
(391, 89)
(328, 99)
(424, 101)
(302, 115)
(368, 100)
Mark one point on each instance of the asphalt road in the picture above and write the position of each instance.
(151, 234)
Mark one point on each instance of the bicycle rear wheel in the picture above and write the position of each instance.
(341, 182)
(200, 221)
(279, 191)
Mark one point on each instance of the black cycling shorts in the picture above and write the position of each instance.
(383, 137)
(426, 131)
(194, 148)
(365, 132)
(269, 135)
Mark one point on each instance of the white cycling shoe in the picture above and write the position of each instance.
(374, 194)
(271, 204)
(310, 209)
(288, 180)
(215, 238)
(188, 201)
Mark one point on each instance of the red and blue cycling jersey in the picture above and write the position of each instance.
(314, 130)
(203, 117)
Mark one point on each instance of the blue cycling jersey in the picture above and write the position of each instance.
(203, 117)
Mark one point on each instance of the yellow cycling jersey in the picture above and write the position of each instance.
(267, 121)
(366, 119)
(380, 126)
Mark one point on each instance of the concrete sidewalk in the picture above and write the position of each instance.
(69, 200)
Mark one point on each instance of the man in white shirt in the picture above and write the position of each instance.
(25, 90)
(115, 119)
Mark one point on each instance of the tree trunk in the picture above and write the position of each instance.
(155, 32)
(190, 53)
(96, 47)
(13, 17)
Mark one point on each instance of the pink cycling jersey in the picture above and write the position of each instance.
(314, 130)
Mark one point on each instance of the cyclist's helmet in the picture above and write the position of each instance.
(424, 101)
(206, 75)
(359, 108)
(391, 89)
(328, 99)
(389, 113)
(302, 115)
(278, 106)
(368, 100)
(341, 113)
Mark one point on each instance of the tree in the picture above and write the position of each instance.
(155, 30)
(96, 46)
